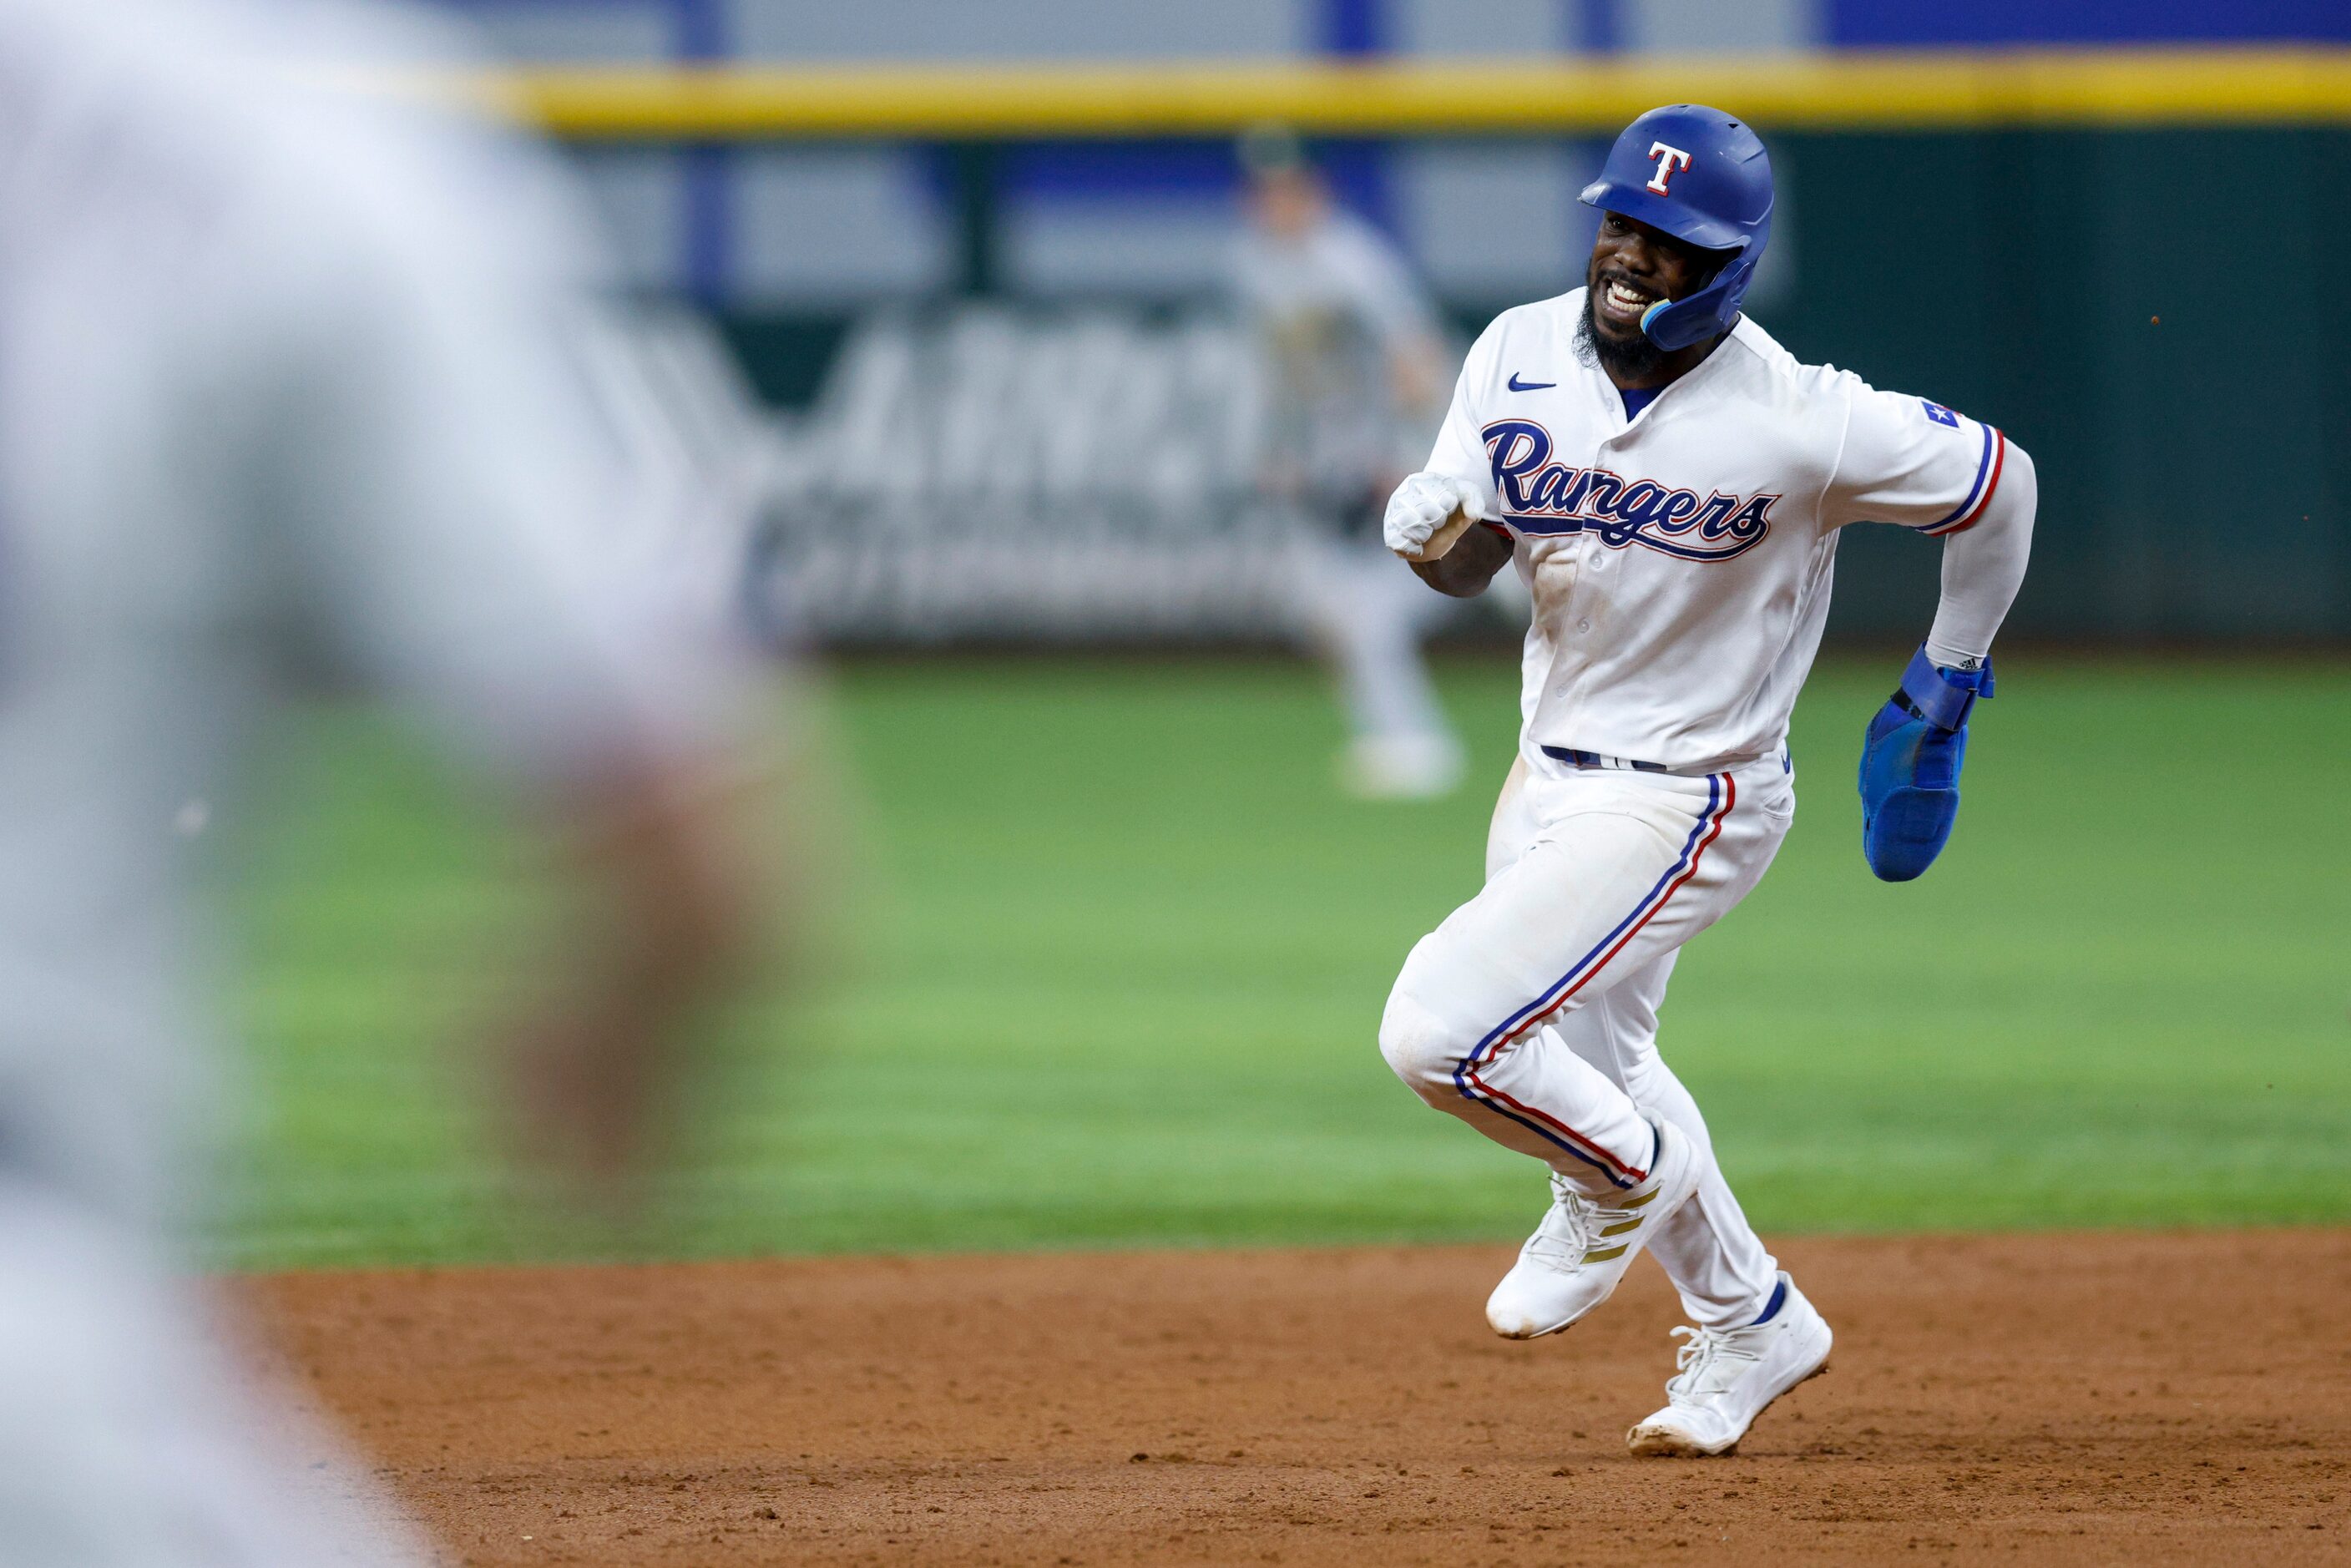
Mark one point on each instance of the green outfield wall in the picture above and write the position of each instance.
(2161, 317)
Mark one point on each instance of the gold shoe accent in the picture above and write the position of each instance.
(1645, 1198)
(1602, 1254)
(1621, 1227)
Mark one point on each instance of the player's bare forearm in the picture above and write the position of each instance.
(1464, 571)
(667, 893)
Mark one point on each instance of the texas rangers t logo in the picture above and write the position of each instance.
(1670, 160)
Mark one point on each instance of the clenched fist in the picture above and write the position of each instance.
(1417, 512)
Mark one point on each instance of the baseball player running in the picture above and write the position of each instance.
(1669, 482)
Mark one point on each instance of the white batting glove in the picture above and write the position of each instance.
(1420, 506)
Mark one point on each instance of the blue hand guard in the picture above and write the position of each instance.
(1910, 767)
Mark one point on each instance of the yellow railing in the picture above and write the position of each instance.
(1844, 91)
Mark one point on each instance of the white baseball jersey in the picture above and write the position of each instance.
(1680, 561)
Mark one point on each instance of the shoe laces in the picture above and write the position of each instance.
(1711, 1361)
(1577, 1224)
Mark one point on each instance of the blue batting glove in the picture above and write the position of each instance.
(1910, 767)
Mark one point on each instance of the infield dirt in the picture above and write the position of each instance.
(2151, 1398)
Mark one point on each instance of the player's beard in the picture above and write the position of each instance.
(1631, 360)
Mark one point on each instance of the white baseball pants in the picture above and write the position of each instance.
(1531, 1012)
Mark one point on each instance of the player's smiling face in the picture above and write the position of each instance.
(1634, 266)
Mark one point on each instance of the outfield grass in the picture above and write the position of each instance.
(1121, 951)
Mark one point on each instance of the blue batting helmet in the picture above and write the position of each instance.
(1703, 178)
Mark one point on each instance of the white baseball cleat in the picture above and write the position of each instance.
(1728, 1376)
(1584, 1245)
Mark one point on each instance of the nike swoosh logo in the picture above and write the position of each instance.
(1517, 385)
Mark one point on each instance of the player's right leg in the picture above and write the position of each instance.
(1721, 1269)
(1757, 1336)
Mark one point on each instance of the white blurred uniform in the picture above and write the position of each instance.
(281, 377)
(1330, 307)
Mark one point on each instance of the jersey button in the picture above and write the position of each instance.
(1584, 625)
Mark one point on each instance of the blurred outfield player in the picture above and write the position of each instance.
(1356, 362)
(282, 376)
(1670, 481)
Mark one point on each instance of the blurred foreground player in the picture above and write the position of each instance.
(1355, 364)
(280, 371)
(1669, 482)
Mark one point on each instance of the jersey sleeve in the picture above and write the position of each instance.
(1912, 463)
(1460, 449)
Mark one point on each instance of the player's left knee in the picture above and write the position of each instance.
(1418, 1046)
